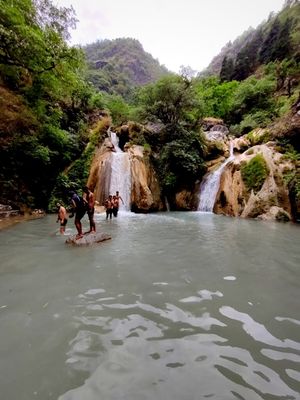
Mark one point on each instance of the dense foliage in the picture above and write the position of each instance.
(273, 40)
(49, 93)
(118, 66)
(44, 99)
(172, 102)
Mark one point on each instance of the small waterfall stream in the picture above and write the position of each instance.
(120, 178)
(210, 185)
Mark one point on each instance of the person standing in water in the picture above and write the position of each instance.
(117, 203)
(62, 217)
(89, 198)
(119, 197)
(79, 209)
(109, 206)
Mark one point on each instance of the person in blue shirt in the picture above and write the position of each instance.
(79, 209)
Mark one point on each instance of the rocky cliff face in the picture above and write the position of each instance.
(270, 202)
(145, 190)
(100, 172)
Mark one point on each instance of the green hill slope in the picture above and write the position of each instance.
(117, 66)
(276, 39)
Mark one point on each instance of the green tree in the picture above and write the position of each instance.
(252, 96)
(247, 59)
(31, 39)
(216, 99)
(37, 66)
(171, 100)
(226, 69)
(277, 44)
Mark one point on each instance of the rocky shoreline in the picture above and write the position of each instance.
(10, 216)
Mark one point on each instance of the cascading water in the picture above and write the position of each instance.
(120, 179)
(210, 185)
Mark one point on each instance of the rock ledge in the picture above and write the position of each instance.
(88, 239)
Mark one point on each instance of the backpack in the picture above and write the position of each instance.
(81, 205)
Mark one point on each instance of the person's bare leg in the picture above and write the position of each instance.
(79, 228)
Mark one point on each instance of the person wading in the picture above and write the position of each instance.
(117, 199)
(109, 206)
(62, 217)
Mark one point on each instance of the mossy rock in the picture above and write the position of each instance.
(258, 136)
(255, 172)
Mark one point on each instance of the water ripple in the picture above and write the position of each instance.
(171, 348)
(256, 330)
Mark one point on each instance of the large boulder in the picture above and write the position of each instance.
(184, 200)
(236, 199)
(88, 239)
(100, 172)
(209, 122)
(145, 190)
(275, 213)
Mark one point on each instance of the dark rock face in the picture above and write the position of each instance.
(88, 239)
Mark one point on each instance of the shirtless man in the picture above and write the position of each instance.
(117, 203)
(109, 206)
(62, 217)
(115, 206)
(119, 197)
(89, 198)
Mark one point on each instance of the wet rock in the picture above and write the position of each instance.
(88, 239)
(38, 211)
(210, 122)
(235, 199)
(275, 214)
(145, 191)
(6, 211)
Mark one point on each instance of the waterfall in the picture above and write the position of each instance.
(167, 204)
(120, 178)
(210, 185)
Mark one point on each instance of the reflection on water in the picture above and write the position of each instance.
(177, 306)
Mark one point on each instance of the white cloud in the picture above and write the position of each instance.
(178, 32)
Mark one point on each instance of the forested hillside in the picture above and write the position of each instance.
(276, 39)
(53, 98)
(44, 100)
(118, 66)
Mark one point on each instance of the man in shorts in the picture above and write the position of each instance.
(62, 217)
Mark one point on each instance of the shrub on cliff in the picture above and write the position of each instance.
(180, 144)
(255, 172)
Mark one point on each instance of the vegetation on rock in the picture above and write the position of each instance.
(255, 172)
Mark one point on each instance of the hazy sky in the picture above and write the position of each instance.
(176, 32)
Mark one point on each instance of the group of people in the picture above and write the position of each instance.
(86, 204)
(80, 205)
(111, 205)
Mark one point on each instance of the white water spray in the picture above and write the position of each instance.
(210, 185)
(120, 179)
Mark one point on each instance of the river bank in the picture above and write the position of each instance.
(6, 222)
